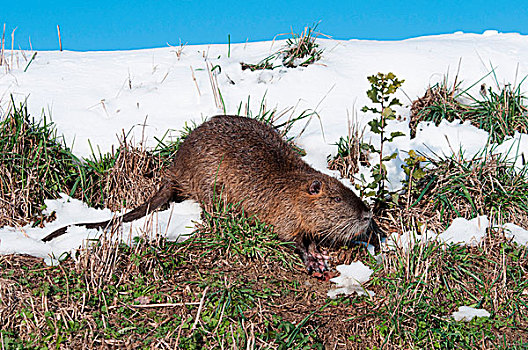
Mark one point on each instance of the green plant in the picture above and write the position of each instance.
(382, 86)
(414, 172)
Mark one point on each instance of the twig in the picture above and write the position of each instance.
(146, 306)
(214, 86)
(2, 47)
(12, 45)
(60, 41)
(199, 309)
(195, 82)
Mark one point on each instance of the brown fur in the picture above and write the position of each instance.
(247, 161)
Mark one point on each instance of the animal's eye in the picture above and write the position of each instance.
(337, 199)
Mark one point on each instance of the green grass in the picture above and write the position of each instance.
(486, 184)
(35, 165)
(500, 111)
(227, 232)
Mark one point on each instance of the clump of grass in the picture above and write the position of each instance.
(500, 112)
(487, 184)
(34, 165)
(124, 178)
(349, 154)
(438, 103)
(300, 50)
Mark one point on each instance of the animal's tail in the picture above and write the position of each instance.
(166, 193)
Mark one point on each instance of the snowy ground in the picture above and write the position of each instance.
(96, 95)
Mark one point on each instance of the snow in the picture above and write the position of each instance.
(469, 232)
(175, 222)
(351, 279)
(97, 95)
(467, 313)
(461, 231)
(517, 233)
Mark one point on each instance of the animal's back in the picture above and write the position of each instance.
(240, 158)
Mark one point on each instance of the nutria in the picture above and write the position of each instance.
(248, 162)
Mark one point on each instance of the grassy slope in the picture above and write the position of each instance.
(234, 284)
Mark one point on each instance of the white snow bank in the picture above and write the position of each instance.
(351, 279)
(175, 223)
(467, 313)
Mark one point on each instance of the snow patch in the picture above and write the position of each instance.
(519, 234)
(351, 279)
(469, 232)
(175, 223)
(467, 313)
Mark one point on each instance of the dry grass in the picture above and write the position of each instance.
(158, 294)
(438, 102)
(457, 187)
(36, 165)
(349, 153)
(501, 111)
(133, 177)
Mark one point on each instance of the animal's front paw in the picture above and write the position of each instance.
(316, 262)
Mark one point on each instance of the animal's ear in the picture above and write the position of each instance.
(315, 187)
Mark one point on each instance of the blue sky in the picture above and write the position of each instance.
(117, 25)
